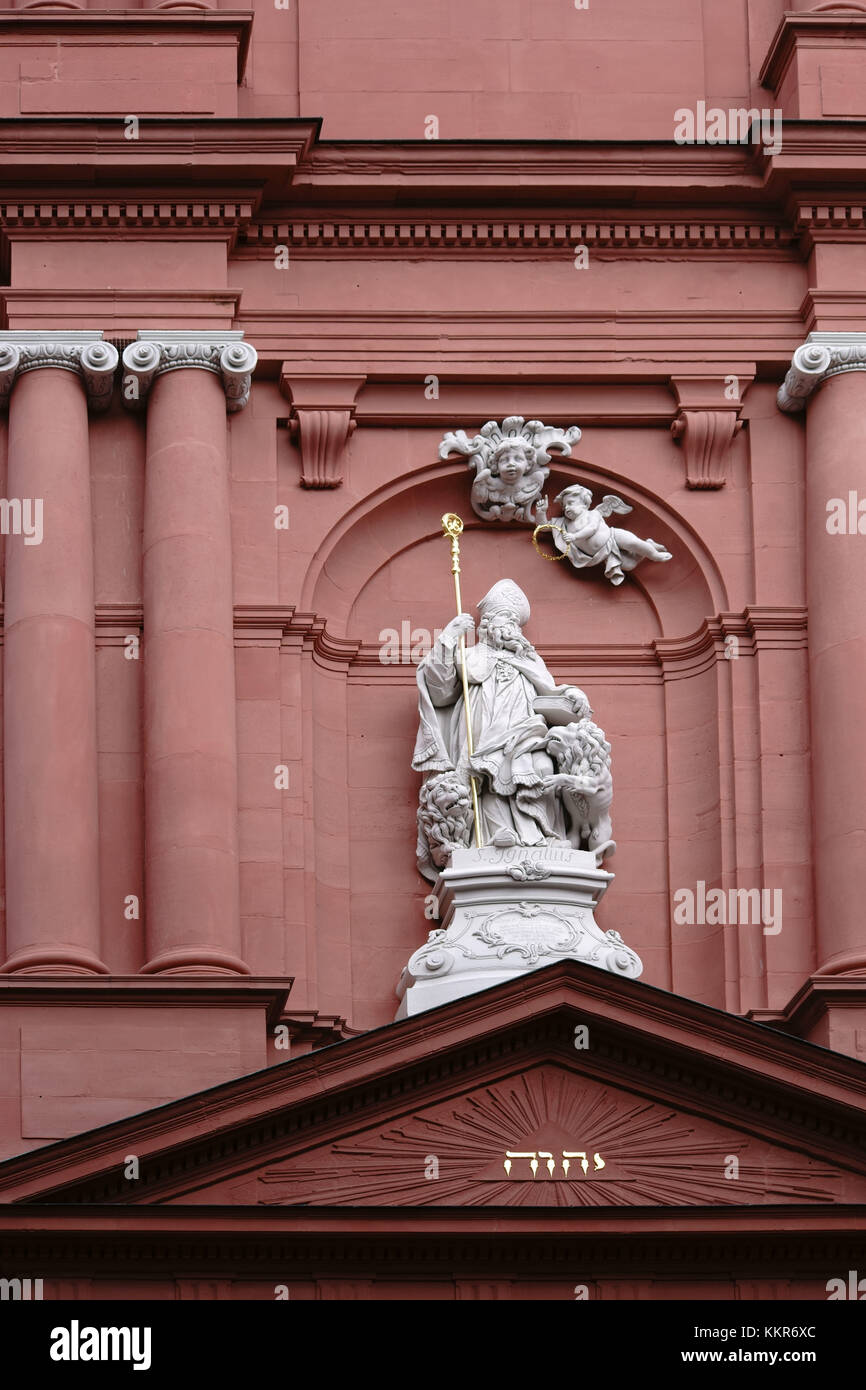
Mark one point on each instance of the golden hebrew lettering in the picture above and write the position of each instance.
(509, 1155)
(567, 1155)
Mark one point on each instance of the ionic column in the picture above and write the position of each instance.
(836, 596)
(192, 908)
(49, 679)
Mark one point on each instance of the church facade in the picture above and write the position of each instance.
(266, 276)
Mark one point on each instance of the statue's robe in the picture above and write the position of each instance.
(506, 731)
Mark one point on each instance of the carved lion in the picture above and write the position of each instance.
(444, 820)
(581, 754)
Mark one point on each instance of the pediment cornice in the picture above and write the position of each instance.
(662, 1050)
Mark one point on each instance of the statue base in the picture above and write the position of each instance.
(504, 912)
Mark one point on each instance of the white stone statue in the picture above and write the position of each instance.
(525, 896)
(511, 463)
(583, 535)
(542, 768)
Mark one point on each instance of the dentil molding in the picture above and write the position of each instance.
(81, 351)
(821, 356)
(157, 351)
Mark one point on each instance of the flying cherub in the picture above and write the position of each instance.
(582, 533)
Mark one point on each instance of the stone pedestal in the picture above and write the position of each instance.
(504, 912)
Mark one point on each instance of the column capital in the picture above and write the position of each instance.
(821, 356)
(156, 351)
(81, 351)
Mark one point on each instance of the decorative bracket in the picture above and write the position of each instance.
(822, 355)
(321, 422)
(706, 422)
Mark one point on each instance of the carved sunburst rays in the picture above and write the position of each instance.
(651, 1156)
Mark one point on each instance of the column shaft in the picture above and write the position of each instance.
(836, 592)
(50, 770)
(191, 873)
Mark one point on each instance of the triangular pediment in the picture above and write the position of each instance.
(548, 1136)
(568, 1088)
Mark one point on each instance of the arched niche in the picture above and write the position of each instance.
(386, 562)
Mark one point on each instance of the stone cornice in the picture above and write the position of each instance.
(310, 632)
(200, 215)
(390, 231)
(626, 663)
(253, 1223)
(473, 1243)
(755, 629)
(394, 234)
(120, 312)
(309, 1026)
(244, 157)
(811, 1000)
(541, 165)
(737, 184)
(157, 351)
(819, 28)
(815, 154)
(837, 220)
(821, 356)
(83, 352)
(147, 991)
(283, 626)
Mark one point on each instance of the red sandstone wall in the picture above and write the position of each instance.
(710, 756)
(329, 892)
(491, 69)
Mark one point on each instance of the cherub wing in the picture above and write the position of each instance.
(481, 485)
(609, 504)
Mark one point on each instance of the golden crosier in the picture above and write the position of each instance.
(452, 527)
